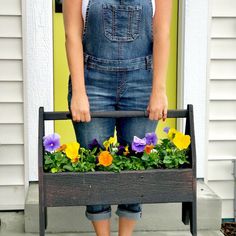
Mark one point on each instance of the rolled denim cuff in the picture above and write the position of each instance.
(129, 214)
(98, 216)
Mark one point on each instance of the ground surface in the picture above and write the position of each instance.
(12, 224)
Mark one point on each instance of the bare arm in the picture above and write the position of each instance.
(73, 24)
(161, 46)
(161, 42)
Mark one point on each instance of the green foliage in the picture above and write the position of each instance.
(163, 155)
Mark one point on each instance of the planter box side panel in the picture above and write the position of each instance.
(70, 188)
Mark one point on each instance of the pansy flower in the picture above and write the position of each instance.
(148, 148)
(166, 129)
(94, 144)
(121, 150)
(151, 138)
(171, 133)
(108, 142)
(126, 152)
(61, 148)
(72, 151)
(105, 158)
(51, 142)
(138, 144)
(181, 141)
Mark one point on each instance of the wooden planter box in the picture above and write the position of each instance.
(104, 187)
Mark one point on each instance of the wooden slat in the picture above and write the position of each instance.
(225, 8)
(223, 48)
(11, 134)
(222, 148)
(11, 113)
(10, 26)
(11, 70)
(12, 197)
(216, 108)
(220, 170)
(12, 175)
(222, 69)
(10, 7)
(224, 189)
(222, 130)
(11, 92)
(127, 187)
(8, 154)
(223, 27)
(223, 89)
(10, 48)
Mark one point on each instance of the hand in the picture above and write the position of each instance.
(80, 108)
(157, 107)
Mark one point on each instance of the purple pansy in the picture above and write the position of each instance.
(166, 129)
(151, 138)
(51, 142)
(138, 144)
(121, 149)
(94, 144)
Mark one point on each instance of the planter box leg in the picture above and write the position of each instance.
(186, 209)
(193, 218)
(42, 220)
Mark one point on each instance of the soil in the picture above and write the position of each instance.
(229, 228)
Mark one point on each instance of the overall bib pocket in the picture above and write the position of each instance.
(121, 22)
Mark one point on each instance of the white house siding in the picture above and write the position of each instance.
(12, 176)
(222, 102)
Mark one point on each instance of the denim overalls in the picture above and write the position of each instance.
(118, 69)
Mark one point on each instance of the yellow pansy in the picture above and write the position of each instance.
(126, 150)
(108, 142)
(111, 140)
(171, 133)
(181, 141)
(72, 150)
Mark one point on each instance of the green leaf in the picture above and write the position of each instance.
(48, 161)
(145, 157)
(54, 170)
(68, 167)
(58, 156)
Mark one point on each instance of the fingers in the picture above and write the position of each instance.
(81, 116)
(157, 114)
(165, 114)
(80, 109)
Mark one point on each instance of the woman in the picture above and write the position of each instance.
(117, 53)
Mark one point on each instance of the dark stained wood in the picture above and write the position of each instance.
(193, 209)
(42, 208)
(149, 186)
(61, 115)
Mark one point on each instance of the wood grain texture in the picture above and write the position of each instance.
(105, 187)
(149, 186)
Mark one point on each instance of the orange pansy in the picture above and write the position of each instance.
(105, 158)
(61, 148)
(148, 148)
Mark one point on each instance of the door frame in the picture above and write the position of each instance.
(37, 25)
